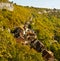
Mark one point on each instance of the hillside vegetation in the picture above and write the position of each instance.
(3, 0)
(46, 24)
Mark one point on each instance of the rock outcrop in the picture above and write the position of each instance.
(8, 6)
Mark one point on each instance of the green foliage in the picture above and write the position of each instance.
(56, 49)
(3, 0)
(24, 53)
(7, 46)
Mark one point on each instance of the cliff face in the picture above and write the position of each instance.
(7, 6)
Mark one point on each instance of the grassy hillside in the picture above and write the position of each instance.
(46, 23)
(3, 0)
